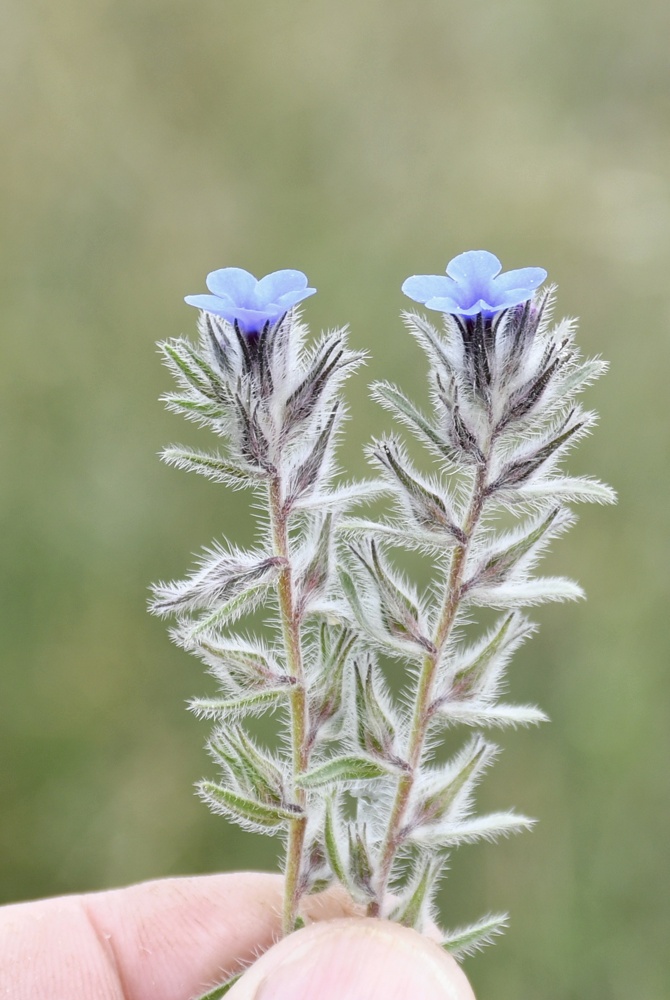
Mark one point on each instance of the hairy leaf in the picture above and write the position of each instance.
(256, 815)
(467, 940)
(339, 770)
(215, 467)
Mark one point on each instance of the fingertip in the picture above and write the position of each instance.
(354, 957)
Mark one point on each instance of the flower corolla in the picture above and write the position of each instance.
(473, 284)
(250, 302)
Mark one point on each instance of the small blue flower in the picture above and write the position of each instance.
(474, 285)
(239, 297)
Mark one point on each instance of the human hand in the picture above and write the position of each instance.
(171, 939)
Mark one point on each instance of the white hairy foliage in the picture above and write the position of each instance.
(374, 810)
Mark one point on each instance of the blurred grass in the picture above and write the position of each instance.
(148, 142)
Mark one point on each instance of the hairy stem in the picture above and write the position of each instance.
(298, 705)
(421, 713)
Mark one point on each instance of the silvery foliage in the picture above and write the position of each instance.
(354, 784)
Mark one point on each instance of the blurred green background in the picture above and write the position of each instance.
(149, 141)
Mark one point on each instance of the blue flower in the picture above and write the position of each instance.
(474, 285)
(239, 297)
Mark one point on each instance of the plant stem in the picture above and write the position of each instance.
(421, 714)
(298, 705)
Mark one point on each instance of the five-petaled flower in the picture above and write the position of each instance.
(473, 284)
(241, 298)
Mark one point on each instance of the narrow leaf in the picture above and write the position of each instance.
(497, 566)
(460, 777)
(570, 489)
(477, 714)
(393, 399)
(490, 827)
(220, 991)
(245, 810)
(249, 704)
(213, 466)
(342, 769)
(467, 940)
(499, 644)
(412, 910)
(331, 844)
(526, 593)
(233, 609)
(427, 508)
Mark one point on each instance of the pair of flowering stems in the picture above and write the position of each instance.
(354, 787)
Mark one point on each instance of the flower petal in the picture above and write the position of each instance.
(447, 304)
(528, 278)
(234, 282)
(273, 286)
(422, 287)
(474, 267)
(292, 298)
(220, 305)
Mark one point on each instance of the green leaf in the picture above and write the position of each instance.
(374, 729)
(412, 909)
(247, 664)
(254, 771)
(392, 398)
(183, 359)
(232, 609)
(334, 655)
(341, 769)
(215, 467)
(360, 866)
(220, 991)
(212, 708)
(470, 677)
(466, 940)
(497, 566)
(351, 593)
(568, 489)
(464, 772)
(400, 614)
(195, 409)
(315, 576)
(482, 715)
(428, 509)
(246, 810)
(330, 843)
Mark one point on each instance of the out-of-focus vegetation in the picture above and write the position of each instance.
(149, 141)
